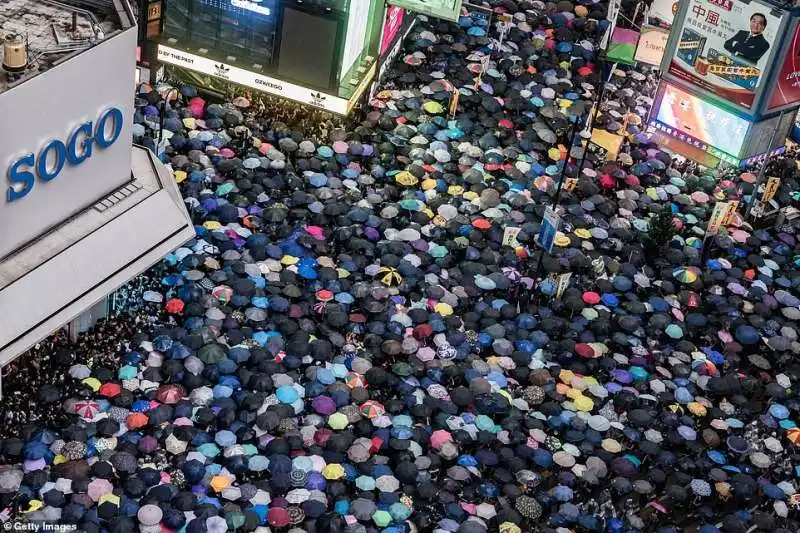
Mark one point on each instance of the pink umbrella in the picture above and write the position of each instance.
(439, 438)
(340, 147)
(739, 235)
(426, 354)
(227, 153)
(99, 487)
(700, 197)
(87, 408)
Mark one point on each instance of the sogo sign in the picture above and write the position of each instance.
(56, 154)
(331, 103)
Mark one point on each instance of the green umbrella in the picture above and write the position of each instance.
(234, 520)
(382, 518)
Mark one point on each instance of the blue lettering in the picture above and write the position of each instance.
(72, 146)
(56, 154)
(100, 133)
(22, 181)
(43, 168)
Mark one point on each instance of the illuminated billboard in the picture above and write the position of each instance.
(701, 124)
(787, 86)
(443, 9)
(724, 47)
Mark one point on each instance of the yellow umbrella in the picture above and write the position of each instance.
(92, 383)
(432, 107)
(180, 176)
(109, 497)
(389, 276)
(455, 190)
(697, 409)
(406, 178)
(211, 225)
(333, 471)
(443, 309)
(583, 403)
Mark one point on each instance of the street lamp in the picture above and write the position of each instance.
(162, 112)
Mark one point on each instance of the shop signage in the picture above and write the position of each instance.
(652, 43)
(724, 47)
(787, 86)
(248, 5)
(267, 84)
(56, 154)
(443, 9)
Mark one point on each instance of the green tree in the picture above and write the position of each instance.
(662, 229)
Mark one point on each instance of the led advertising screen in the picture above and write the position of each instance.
(443, 9)
(724, 47)
(787, 86)
(701, 123)
(392, 24)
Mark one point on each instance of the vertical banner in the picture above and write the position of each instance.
(563, 283)
(770, 189)
(718, 215)
(725, 47)
(787, 86)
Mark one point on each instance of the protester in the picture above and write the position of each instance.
(364, 336)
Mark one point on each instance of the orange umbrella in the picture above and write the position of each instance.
(136, 420)
(481, 223)
(794, 435)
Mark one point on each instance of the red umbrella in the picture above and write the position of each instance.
(175, 306)
(109, 390)
(170, 394)
(591, 298)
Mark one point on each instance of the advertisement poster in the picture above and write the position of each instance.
(652, 43)
(392, 24)
(662, 13)
(443, 9)
(701, 122)
(787, 86)
(724, 47)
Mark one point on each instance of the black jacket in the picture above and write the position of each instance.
(747, 47)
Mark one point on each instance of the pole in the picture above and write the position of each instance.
(161, 118)
(763, 168)
(559, 188)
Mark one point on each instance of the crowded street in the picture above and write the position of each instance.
(370, 334)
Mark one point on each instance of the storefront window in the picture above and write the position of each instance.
(239, 29)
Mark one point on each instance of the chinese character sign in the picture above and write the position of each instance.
(695, 120)
(787, 88)
(725, 46)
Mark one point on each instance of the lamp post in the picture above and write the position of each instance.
(162, 113)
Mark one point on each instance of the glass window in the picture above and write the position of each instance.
(244, 29)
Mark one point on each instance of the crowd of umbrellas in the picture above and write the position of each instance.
(355, 341)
